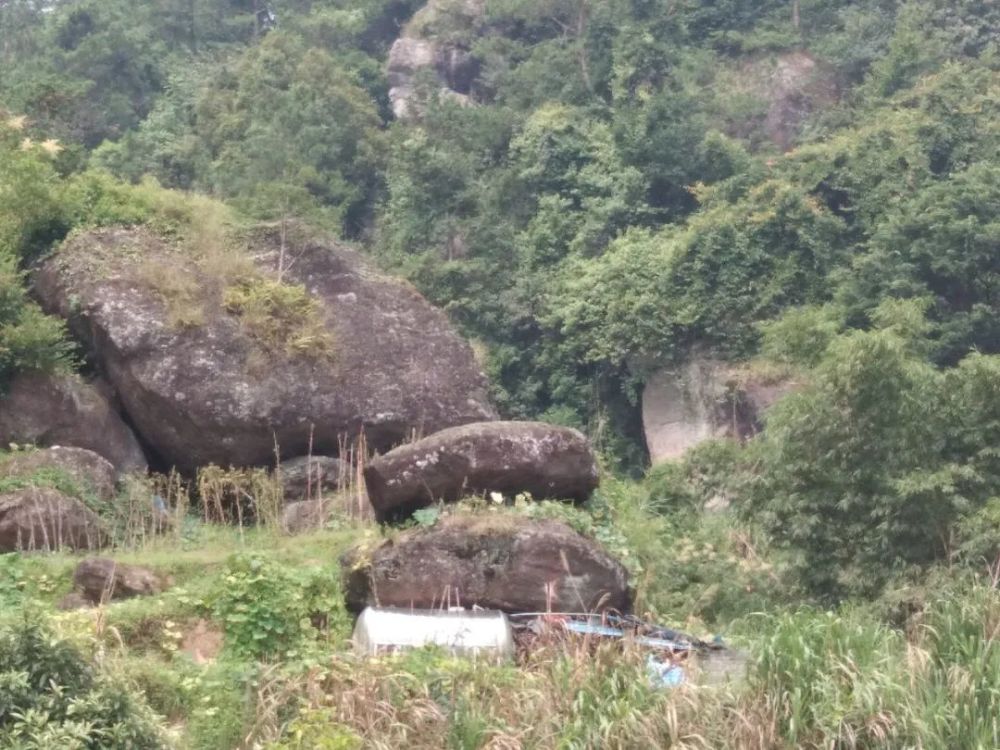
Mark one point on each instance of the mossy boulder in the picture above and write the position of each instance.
(100, 578)
(74, 471)
(220, 354)
(497, 561)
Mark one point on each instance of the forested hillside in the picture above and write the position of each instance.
(750, 249)
(620, 183)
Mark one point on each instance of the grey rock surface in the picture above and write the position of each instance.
(43, 519)
(46, 410)
(495, 561)
(100, 578)
(92, 474)
(547, 461)
(206, 392)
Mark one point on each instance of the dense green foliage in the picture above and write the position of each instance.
(637, 182)
(269, 611)
(52, 696)
(28, 339)
(617, 196)
(869, 468)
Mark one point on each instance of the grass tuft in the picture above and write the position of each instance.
(280, 316)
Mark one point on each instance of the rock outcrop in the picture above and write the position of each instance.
(99, 579)
(199, 385)
(430, 49)
(309, 477)
(48, 410)
(90, 473)
(789, 89)
(545, 460)
(705, 399)
(797, 87)
(44, 519)
(497, 561)
(681, 408)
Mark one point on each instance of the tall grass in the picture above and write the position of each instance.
(840, 679)
(847, 681)
(817, 680)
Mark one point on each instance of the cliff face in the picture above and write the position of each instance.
(705, 399)
(427, 53)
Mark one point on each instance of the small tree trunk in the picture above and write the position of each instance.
(581, 40)
(796, 20)
(192, 29)
(281, 252)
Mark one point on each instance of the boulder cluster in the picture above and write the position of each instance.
(495, 561)
(181, 376)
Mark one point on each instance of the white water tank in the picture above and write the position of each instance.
(481, 633)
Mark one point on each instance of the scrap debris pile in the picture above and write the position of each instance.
(496, 635)
(668, 651)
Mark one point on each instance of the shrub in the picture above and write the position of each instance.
(313, 730)
(29, 339)
(51, 696)
(269, 610)
(279, 316)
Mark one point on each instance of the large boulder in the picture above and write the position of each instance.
(704, 399)
(209, 369)
(497, 561)
(682, 408)
(90, 474)
(48, 410)
(101, 578)
(44, 519)
(545, 460)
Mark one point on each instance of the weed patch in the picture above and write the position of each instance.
(280, 316)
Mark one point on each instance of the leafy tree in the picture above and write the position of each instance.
(849, 478)
(96, 74)
(941, 245)
(288, 116)
(31, 217)
(873, 466)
